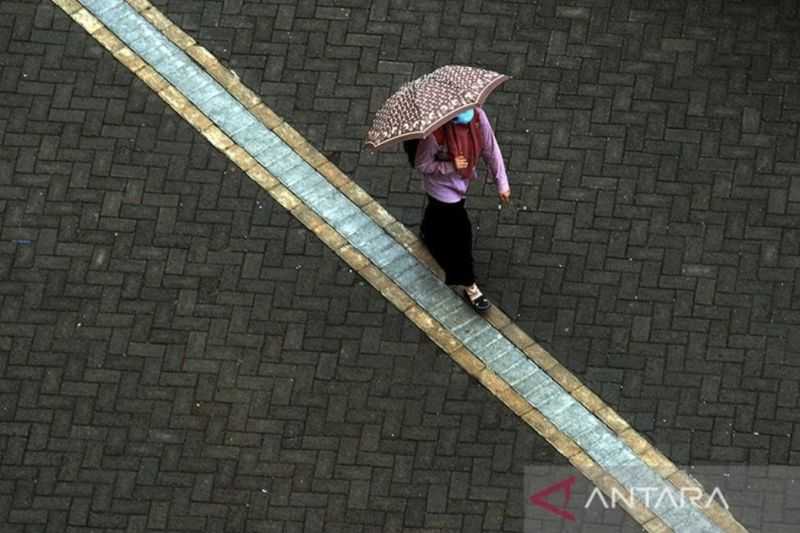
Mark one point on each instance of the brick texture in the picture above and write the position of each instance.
(177, 353)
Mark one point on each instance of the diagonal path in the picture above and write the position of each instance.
(500, 355)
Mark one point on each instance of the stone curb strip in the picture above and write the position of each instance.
(593, 437)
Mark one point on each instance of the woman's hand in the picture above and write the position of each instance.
(460, 162)
(505, 197)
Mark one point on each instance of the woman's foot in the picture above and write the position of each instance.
(476, 299)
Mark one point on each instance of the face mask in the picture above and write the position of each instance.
(465, 117)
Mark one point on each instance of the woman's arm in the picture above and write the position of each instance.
(491, 153)
(426, 161)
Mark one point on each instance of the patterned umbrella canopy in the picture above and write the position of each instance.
(420, 107)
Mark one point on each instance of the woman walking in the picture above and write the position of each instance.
(447, 160)
(444, 131)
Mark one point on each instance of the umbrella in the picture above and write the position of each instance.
(421, 106)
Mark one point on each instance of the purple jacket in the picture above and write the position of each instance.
(440, 178)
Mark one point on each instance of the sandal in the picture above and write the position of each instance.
(480, 303)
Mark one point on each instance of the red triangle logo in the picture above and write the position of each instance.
(540, 498)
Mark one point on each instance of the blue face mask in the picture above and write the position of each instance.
(465, 117)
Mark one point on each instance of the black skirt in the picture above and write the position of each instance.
(447, 232)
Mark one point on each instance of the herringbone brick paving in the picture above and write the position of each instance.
(178, 353)
(653, 150)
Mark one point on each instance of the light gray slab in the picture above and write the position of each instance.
(286, 163)
(503, 365)
(311, 182)
(256, 139)
(423, 289)
(391, 257)
(595, 438)
(486, 344)
(355, 225)
(338, 210)
(456, 315)
(474, 325)
(359, 232)
(301, 173)
(100, 7)
(411, 275)
(240, 124)
(202, 90)
(606, 450)
(546, 392)
(167, 59)
(123, 21)
(247, 124)
(478, 339)
(191, 81)
(221, 108)
(395, 261)
(304, 174)
(577, 420)
(374, 245)
(529, 386)
(495, 348)
(636, 475)
(236, 120)
(402, 263)
(557, 404)
(141, 36)
(325, 201)
(275, 154)
(540, 389)
(437, 292)
(520, 372)
(342, 213)
(162, 56)
(443, 307)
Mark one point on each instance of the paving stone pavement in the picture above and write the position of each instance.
(655, 239)
(177, 353)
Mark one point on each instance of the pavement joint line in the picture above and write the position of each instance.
(654, 460)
